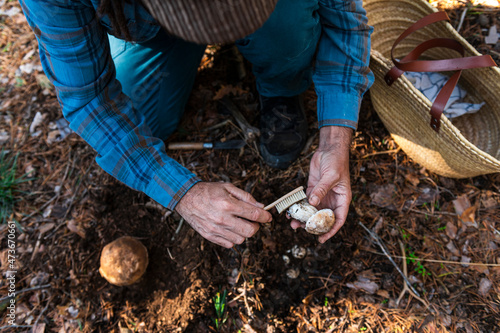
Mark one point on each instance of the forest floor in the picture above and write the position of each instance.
(441, 233)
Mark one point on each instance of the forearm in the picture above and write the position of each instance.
(335, 138)
(75, 55)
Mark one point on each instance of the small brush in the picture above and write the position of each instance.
(288, 199)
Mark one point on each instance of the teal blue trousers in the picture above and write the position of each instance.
(158, 75)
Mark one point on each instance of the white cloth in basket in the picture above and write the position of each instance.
(430, 85)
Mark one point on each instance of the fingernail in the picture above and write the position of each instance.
(261, 205)
(314, 200)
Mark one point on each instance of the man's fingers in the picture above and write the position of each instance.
(297, 224)
(241, 227)
(227, 236)
(321, 189)
(340, 218)
(253, 213)
(220, 241)
(243, 195)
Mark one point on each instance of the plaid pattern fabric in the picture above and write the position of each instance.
(341, 74)
(75, 55)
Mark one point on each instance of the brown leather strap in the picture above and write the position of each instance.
(410, 63)
(395, 72)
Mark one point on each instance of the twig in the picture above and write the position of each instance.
(58, 194)
(219, 125)
(178, 228)
(405, 287)
(15, 326)
(462, 17)
(440, 261)
(41, 313)
(382, 152)
(170, 254)
(386, 252)
(45, 286)
(430, 213)
(70, 204)
(77, 190)
(41, 208)
(249, 311)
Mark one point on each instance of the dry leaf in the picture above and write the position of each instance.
(451, 230)
(383, 293)
(383, 196)
(461, 204)
(76, 227)
(37, 121)
(492, 37)
(484, 286)
(413, 179)
(465, 261)
(43, 81)
(481, 269)
(53, 136)
(39, 328)
(379, 225)
(468, 217)
(453, 249)
(228, 89)
(368, 286)
(488, 200)
(46, 227)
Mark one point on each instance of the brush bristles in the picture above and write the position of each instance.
(287, 202)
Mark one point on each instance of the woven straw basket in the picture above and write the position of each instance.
(467, 146)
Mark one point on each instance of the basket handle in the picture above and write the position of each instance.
(412, 64)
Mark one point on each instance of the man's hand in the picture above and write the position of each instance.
(329, 180)
(222, 213)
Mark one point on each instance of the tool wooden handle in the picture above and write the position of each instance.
(186, 145)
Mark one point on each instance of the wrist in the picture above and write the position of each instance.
(335, 137)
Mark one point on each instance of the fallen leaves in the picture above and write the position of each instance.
(76, 227)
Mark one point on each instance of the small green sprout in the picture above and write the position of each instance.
(420, 269)
(9, 193)
(405, 235)
(220, 309)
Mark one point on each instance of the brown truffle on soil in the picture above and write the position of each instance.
(123, 261)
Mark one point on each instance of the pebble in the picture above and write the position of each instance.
(293, 273)
(484, 20)
(299, 252)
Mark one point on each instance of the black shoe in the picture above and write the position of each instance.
(283, 130)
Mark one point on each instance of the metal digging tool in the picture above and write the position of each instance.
(231, 144)
(250, 132)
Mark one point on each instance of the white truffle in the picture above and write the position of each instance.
(321, 222)
(317, 222)
(302, 211)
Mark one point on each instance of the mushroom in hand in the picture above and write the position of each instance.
(123, 261)
(317, 222)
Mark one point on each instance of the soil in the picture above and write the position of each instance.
(71, 209)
